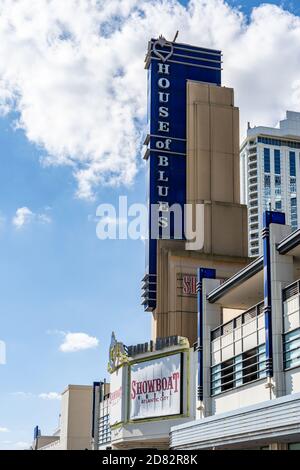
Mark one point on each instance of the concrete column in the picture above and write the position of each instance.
(212, 314)
(282, 274)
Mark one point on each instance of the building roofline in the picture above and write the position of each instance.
(258, 406)
(234, 281)
(288, 243)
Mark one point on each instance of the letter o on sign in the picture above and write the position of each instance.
(163, 83)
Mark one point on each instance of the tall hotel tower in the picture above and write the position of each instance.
(270, 169)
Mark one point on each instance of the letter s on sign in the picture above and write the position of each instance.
(133, 390)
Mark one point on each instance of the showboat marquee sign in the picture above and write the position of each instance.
(169, 66)
(156, 387)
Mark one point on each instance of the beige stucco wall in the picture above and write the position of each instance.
(212, 180)
(76, 418)
(46, 442)
(212, 144)
(176, 314)
(213, 168)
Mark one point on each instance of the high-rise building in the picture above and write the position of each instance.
(270, 169)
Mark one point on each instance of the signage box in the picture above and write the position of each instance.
(170, 65)
(116, 396)
(156, 387)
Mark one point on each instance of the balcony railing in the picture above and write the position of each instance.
(240, 334)
(238, 353)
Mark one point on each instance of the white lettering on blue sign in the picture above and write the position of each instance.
(163, 126)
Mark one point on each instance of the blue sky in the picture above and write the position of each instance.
(247, 5)
(56, 276)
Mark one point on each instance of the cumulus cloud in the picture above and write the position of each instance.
(25, 216)
(50, 396)
(2, 429)
(77, 342)
(73, 71)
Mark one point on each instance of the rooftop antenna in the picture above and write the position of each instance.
(176, 35)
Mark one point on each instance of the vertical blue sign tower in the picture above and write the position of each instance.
(169, 66)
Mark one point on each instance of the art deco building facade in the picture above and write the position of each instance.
(221, 368)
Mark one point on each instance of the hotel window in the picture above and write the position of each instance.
(267, 184)
(293, 185)
(267, 166)
(278, 142)
(267, 191)
(294, 446)
(277, 186)
(277, 162)
(240, 370)
(227, 375)
(294, 217)
(250, 369)
(291, 324)
(292, 349)
(292, 164)
(278, 205)
(104, 430)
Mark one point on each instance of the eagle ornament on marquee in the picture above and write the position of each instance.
(117, 354)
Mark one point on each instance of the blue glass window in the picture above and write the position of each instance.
(239, 370)
(278, 205)
(267, 183)
(292, 164)
(291, 349)
(277, 162)
(294, 218)
(279, 142)
(293, 185)
(267, 166)
(277, 185)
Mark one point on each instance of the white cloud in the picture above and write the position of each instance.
(74, 73)
(50, 396)
(77, 342)
(2, 429)
(25, 216)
